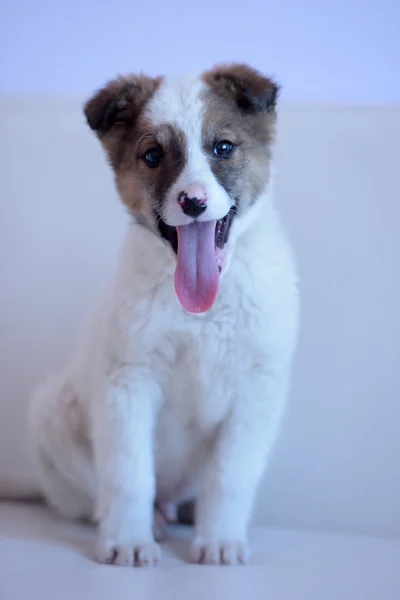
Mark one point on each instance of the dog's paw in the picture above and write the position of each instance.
(131, 553)
(213, 552)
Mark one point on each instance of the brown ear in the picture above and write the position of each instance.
(250, 89)
(119, 102)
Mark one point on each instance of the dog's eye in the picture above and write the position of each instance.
(224, 148)
(153, 157)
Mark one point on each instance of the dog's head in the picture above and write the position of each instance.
(189, 154)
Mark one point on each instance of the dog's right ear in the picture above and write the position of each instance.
(119, 102)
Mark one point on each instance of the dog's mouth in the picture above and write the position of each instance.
(200, 248)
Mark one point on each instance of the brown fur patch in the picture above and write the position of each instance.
(250, 89)
(119, 102)
(115, 113)
(240, 108)
(134, 175)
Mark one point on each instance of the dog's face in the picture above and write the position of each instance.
(190, 155)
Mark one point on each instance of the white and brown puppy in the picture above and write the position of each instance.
(180, 381)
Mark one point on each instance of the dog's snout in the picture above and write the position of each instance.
(193, 200)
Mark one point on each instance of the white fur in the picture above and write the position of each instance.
(161, 403)
(179, 101)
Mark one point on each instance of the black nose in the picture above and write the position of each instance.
(192, 207)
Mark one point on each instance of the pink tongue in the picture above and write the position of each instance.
(197, 275)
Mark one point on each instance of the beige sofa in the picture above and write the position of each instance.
(327, 519)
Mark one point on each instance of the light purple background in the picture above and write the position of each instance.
(336, 463)
(346, 51)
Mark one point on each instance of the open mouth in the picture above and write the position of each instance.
(200, 248)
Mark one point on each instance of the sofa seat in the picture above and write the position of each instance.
(45, 558)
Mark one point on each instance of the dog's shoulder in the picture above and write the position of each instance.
(259, 298)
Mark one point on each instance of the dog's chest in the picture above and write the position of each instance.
(209, 360)
(206, 377)
(202, 358)
(198, 394)
(197, 378)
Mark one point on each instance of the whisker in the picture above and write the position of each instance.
(150, 134)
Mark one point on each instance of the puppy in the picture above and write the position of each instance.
(179, 384)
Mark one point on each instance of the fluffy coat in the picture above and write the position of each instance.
(160, 404)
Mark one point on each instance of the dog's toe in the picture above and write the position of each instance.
(213, 552)
(130, 554)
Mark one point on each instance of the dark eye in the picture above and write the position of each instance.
(153, 157)
(223, 148)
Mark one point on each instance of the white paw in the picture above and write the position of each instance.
(130, 553)
(213, 552)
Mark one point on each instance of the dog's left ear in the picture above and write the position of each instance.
(251, 90)
(119, 102)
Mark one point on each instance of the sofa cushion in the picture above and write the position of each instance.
(337, 187)
(45, 558)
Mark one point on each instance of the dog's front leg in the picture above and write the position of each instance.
(234, 469)
(124, 418)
